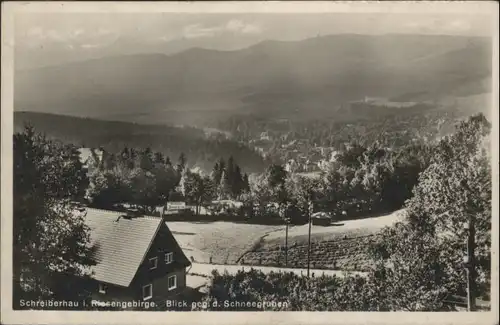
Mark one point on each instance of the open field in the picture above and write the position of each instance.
(227, 242)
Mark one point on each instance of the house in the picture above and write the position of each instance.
(138, 258)
(176, 205)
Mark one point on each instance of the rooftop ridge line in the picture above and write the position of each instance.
(120, 213)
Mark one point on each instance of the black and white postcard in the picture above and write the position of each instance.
(249, 162)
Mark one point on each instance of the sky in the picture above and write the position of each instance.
(51, 38)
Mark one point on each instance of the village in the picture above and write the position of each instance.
(250, 161)
(162, 264)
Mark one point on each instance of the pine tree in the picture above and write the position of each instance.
(159, 158)
(246, 183)
(224, 189)
(146, 161)
(237, 182)
(217, 172)
(125, 154)
(229, 177)
(181, 164)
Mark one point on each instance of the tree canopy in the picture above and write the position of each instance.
(50, 240)
(455, 189)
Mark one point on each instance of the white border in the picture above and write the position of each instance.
(9, 316)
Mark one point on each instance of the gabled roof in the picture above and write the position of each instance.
(121, 244)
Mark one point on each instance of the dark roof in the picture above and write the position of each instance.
(121, 244)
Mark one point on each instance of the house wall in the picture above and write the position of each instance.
(163, 243)
(113, 293)
(160, 285)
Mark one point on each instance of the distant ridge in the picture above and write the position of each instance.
(270, 79)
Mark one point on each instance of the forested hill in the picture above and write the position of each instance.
(201, 150)
(299, 80)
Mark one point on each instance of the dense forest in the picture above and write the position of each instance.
(201, 149)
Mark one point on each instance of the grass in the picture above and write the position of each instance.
(224, 242)
(227, 242)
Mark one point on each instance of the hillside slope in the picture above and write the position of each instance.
(341, 246)
(270, 79)
(201, 150)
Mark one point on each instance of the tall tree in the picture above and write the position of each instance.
(144, 191)
(166, 181)
(224, 188)
(246, 183)
(125, 154)
(50, 240)
(261, 195)
(146, 160)
(454, 189)
(219, 168)
(158, 158)
(199, 189)
(229, 176)
(168, 162)
(181, 163)
(237, 182)
(303, 191)
(276, 176)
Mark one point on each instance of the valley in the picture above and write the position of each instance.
(300, 80)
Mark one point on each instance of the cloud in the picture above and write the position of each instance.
(39, 33)
(35, 32)
(79, 34)
(104, 32)
(437, 25)
(91, 46)
(232, 26)
(252, 29)
(242, 27)
(197, 30)
(71, 39)
(459, 26)
(235, 25)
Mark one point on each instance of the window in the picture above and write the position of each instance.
(153, 263)
(169, 258)
(102, 288)
(147, 292)
(172, 282)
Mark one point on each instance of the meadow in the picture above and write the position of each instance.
(231, 243)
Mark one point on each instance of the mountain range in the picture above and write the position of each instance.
(304, 79)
